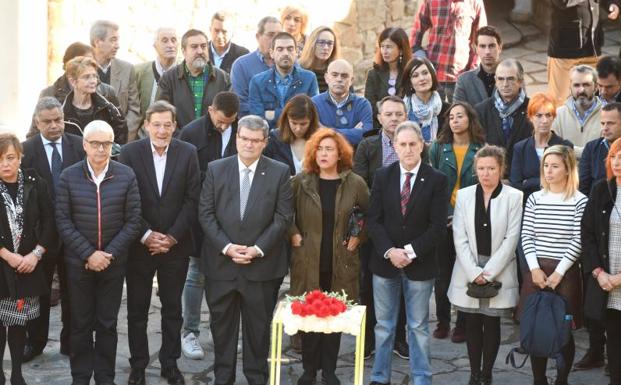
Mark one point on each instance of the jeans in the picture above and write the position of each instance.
(193, 292)
(386, 292)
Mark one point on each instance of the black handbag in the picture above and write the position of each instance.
(489, 290)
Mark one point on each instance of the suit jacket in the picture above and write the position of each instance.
(174, 211)
(35, 156)
(278, 150)
(368, 158)
(235, 51)
(470, 88)
(144, 82)
(423, 226)
(123, 80)
(269, 212)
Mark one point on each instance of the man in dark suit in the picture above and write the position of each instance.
(49, 152)
(213, 135)
(168, 180)
(406, 220)
(222, 51)
(245, 208)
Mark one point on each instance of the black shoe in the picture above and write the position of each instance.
(486, 380)
(378, 383)
(590, 360)
(173, 376)
(475, 379)
(329, 379)
(136, 377)
(30, 353)
(402, 350)
(307, 378)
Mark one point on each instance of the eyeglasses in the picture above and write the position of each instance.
(89, 77)
(324, 43)
(254, 142)
(96, 145)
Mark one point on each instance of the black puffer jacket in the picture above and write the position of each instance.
(575, 30)
(90, 219)
(103, 109)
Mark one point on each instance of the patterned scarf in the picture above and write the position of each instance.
(14, 209)
(506, 110)
(426, 115)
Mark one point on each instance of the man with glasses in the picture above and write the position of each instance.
(270, 90)
(98, 217)
(222, 51)
(245, 209)
(578, 119)
(340, 109)
(503, 115)
(245, 67)
(213, 135)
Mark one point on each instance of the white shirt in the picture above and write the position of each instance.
(159, 163)
(48, 149)
(217, 59)
(226, 137)
(98, 179)
(297, 163)
(253, 169)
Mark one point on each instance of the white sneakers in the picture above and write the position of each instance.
(191, 347)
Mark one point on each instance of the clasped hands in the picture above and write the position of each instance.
(242, 255)
(541, 280)
(23, 264)
(399, 257)
(98, 261)
(607, 281)
(159, 243)
(352, 244)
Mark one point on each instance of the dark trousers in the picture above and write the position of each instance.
(255, 301)
(95, 302)
(320, 350)
(597, 335)
(366, 298)
(483, 341)
(38, 328)
(539, 364)
(171, 272)
(445, 254)
(613, 345)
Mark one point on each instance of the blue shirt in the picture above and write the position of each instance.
(217, 59)
(244, 68)
(282, 85)
(345, 117)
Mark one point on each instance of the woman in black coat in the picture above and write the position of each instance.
(26, 233)
(601, 257)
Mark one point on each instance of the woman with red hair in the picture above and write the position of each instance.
(325, 244)
(601, 257)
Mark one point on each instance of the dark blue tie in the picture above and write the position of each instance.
(57, 163)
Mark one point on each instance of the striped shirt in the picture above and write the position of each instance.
(551, 228)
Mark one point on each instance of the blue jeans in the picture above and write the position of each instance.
(193, 292)
(386, 292)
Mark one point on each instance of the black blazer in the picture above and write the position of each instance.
(368, 158)
(36, 158)
(423, 226)
(38, 229)
(208, 141)
(269, 213)
(234, 52)
(595, 228)
(174, 212)
(278, 150)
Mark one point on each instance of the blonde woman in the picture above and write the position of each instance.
(294, 20)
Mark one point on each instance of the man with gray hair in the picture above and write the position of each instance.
(245, 209)
(148, 74)
(503, 115)
(222, 51)
(49, 152)
(104, 37)
(245, 67)
(191, 85)
(98, 217)
(578, 119)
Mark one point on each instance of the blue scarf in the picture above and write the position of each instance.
(505, 110)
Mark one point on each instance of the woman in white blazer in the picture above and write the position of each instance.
(486, 229)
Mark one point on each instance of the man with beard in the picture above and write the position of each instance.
(222, 51)
(578, 119)
(191, 85)
(270, 90)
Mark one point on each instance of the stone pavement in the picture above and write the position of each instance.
(450, 361)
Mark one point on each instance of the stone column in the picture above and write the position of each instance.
(24, 67)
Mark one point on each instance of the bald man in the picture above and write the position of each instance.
(341, 109)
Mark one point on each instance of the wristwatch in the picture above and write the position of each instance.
(38, 252)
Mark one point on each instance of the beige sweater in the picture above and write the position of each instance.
(567, 126)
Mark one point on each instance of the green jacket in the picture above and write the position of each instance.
(308, 223)
(442, 158)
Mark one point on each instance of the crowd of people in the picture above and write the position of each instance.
(222, 173)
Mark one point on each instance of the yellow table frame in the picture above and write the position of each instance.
(276, 346)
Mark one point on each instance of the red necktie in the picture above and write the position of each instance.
(405, 193)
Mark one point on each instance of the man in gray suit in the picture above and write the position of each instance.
(148, 74)
(119, 74)
(476, 85)
(245, 208)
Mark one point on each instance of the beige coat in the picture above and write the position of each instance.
(506, 217)
(308, 222)
(567, 126)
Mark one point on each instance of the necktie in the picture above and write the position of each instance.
(405, 192)
(57, 163)
(244, 190)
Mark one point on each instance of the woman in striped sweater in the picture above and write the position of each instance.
(551, 242)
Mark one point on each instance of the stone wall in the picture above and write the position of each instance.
(356, 22)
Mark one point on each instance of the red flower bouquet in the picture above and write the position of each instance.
(319, 304)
